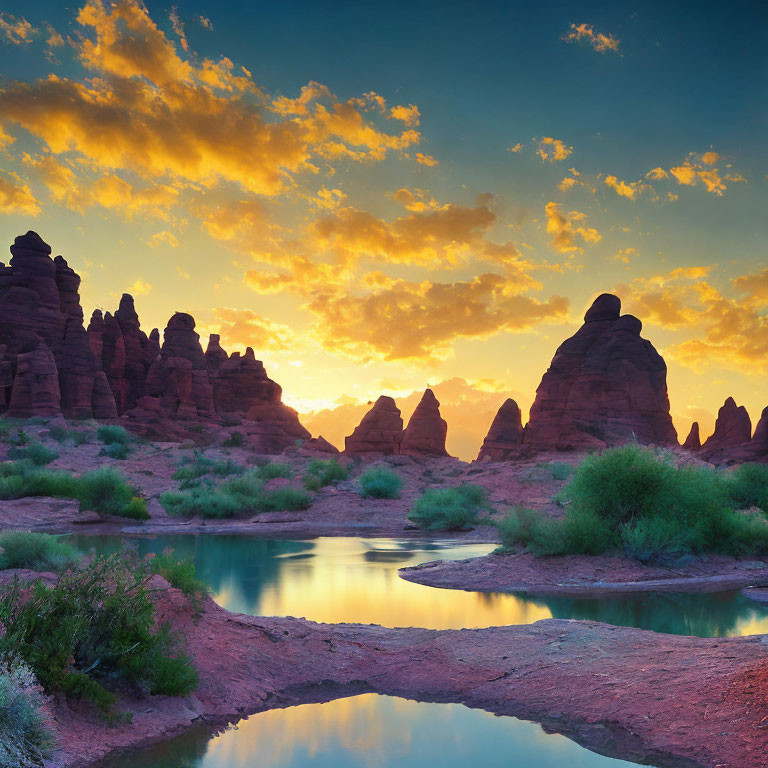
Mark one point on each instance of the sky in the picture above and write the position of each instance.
(378, 197)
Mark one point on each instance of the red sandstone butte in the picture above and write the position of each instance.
(46, 345)
(426, 430)
(379, 432)
(505, 434)
(606, 385)
(693, 441)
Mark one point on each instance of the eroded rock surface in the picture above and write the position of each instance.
(426, 430)
(380, 431)
(505, 434)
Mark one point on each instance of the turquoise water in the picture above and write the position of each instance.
(372, 731)
(355, 580)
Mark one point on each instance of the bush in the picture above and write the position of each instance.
(92, 633)
(116, 451)
(449, 509)
(748, 486)
(25, 740)
(109, 434)
(64, 434)
(199, 465)
(560, 470)
(35, 453)
(323, 472)
(235, 440)
(237, 496)
(35, 551)
(637, 499)
(103, 490)
(380, 483)
(274, 469)
(180, 574)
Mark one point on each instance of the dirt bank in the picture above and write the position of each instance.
(585, 576)
(671, 701)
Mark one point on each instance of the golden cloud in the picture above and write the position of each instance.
(427, 160)
(410, 115)
(628, 189)
(244, 328)
(552, 150)
(728, 332)
(155, 114)
(163, 238)
(16, 196)
(597, 40)
(419, 321)
(16, 30)
(567, 230)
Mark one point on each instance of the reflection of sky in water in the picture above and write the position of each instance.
(355, 580)
(372, 731)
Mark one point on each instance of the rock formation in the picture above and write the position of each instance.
(41, 325)
(505, 434)
(379, 432)
(733, 427)
(606, 385)
(693, 441)
(426, 430)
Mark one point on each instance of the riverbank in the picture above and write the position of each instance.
(585, 575)
(670, 701)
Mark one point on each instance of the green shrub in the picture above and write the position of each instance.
(25, 740)
(116, 451)
(449, 509)
(102, 490)
(236, 497)
(560, 470)
(199, 465)
(380, 483)
(748, 486)
(36, 453)
(35, 551)
(110, 433)
(65, 434)
(323, 472)
(235, 440)
(638, 500)
(93, 633)
(180, 574)
(274, 469)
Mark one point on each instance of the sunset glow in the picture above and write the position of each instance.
(377, 199)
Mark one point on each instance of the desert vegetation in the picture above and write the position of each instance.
(380, 483)
(93, 634)
(102, 490)
(36, 551)
(639, 501)
(323, 472)
(449, 509)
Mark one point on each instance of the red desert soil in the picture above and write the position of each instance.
(585, 575)
(671, 701)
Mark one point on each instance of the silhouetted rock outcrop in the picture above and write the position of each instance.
(693, 441)
(606, 385)
(505, 435)
(733, 434)
(380, 431)
(41, 319)
(426, 430)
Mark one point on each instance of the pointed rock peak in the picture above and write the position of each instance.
(693, 441)
(154, 335)
(379, 432)
(214, 344)
(31, 242)
(605, 307)
(729, 404)
(96, 314)
(182, 320)
(505, 434)
(386, 403)
(126, 303)
(509, 408)
(249, 354)
(428, 398)
(61, 262)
